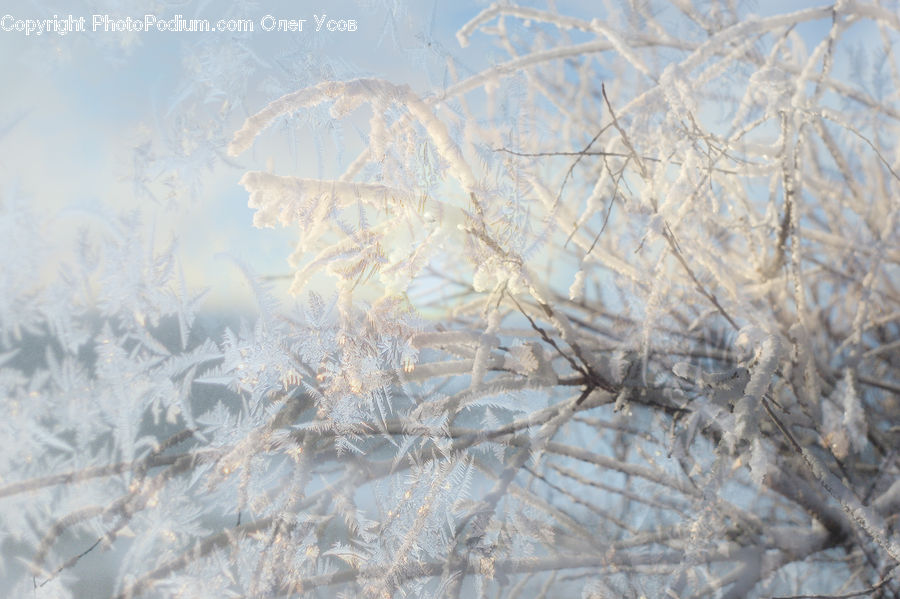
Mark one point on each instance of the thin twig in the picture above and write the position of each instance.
(601, 153)
(865, 592)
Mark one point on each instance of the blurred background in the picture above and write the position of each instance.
(97, 123)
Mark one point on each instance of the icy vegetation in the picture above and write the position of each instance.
(618, 316)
